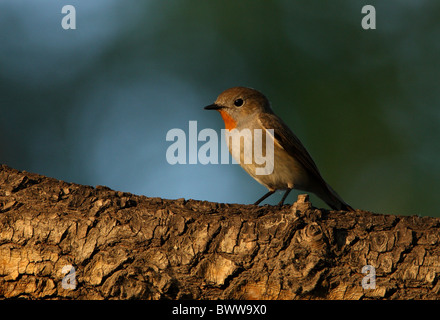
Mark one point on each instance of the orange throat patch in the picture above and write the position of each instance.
(229, 122)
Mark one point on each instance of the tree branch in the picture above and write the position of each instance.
(125, 246)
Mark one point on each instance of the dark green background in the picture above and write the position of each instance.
(93, 105)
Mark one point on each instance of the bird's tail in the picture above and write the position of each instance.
(329, 196)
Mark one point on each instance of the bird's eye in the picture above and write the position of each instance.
(238, 102)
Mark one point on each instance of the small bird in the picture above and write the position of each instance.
(293, 167)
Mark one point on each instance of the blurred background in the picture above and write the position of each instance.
(93, 105)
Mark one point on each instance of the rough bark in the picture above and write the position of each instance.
(124, 246)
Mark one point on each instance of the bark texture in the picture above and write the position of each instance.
(124, 246)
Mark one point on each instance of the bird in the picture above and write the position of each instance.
(293, 168)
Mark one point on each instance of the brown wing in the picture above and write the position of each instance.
(286, 139)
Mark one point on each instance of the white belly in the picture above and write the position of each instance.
(280, 170)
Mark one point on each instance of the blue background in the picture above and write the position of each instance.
(93, 105)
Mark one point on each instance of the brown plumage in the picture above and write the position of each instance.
(293, 167)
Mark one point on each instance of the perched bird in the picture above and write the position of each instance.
(293, 168)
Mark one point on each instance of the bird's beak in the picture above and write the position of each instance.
(213, 107)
